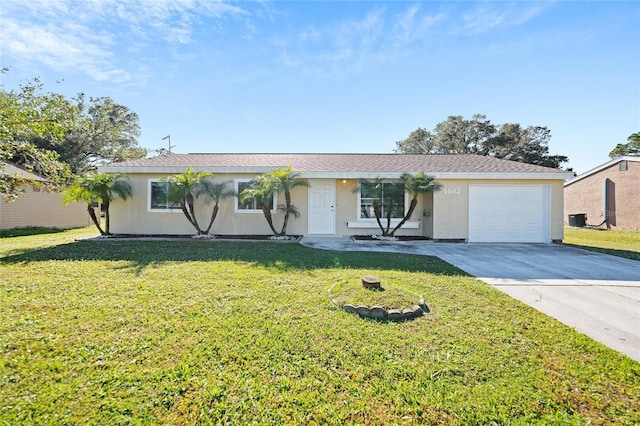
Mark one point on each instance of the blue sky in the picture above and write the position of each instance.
(295, 76)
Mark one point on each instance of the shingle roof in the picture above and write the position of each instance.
(334, 163)
(11, 169)
(633, 158)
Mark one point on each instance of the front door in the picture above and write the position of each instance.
(322, 200)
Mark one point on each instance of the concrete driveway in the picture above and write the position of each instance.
(597, 294)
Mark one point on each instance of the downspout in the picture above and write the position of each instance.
(605, 198)
(605, 210)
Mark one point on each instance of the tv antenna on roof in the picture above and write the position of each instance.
(170, 146)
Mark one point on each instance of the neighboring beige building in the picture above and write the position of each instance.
(36, 207)
(484, 199)
(609, 195)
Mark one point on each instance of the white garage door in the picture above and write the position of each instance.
(509, 213)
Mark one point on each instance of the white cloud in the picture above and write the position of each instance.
(493, 15)
(90, 36)
(65, 47)
(411, 26)
(114, 39)
(353, 45)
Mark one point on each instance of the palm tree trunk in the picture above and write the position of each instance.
(284, 224)
(92, 215)
(193, 220)
(376, 213)
(386, 232)
(412, 207)
(183, 207)
(214, 214)
(287, 197)
(106, 218)
(267, 215)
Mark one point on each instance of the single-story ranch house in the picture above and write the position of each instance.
(609, 195)
(483, 199)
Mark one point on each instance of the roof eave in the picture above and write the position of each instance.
(602, 167)
(440, 175)
(342, 175)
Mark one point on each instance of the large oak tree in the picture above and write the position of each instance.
(53, 136)
(478, 135)
(105, 132)
(26, 114)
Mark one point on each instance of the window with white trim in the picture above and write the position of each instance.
(394, 197)
(157, 197)
(251, 205)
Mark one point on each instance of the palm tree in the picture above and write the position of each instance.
(101, 187)
(181, 189)
(386, 200)
(416, 186)
(266, 186)
(286, 180)
(214, 192)
(374, 191)
(387, 205)
(261, 189)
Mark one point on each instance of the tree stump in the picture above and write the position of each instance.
(371, 282)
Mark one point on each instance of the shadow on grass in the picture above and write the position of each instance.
(144, 254)
(28, 231)
(627, 254)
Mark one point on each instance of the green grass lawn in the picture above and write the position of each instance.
(623, 243)
(209, 332)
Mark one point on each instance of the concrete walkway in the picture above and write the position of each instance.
(597, 294)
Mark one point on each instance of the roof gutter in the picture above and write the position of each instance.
(341, 175)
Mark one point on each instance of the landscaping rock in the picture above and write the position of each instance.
(378, 312)
(423, 305)
(371, 282)
(363, 311)
(407, 313)
(349, 308)
(394, 315)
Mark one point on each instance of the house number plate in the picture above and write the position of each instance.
(451, 191)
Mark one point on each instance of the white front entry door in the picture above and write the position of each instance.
(322, 200)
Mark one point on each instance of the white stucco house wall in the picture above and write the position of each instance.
(483, 199)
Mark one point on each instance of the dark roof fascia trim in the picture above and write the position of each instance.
(602, 167)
